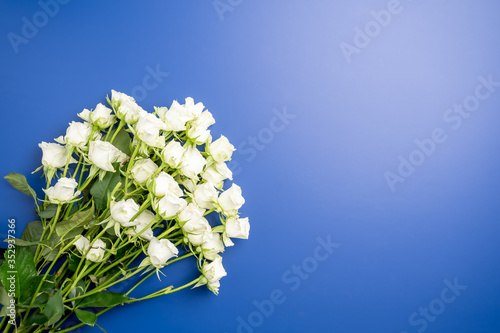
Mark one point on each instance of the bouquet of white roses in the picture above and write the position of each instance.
(128, 193)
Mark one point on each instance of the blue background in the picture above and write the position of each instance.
(318, 174)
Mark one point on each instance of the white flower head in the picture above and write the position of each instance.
(123, 211)
(148, 129)
(143, 170)
(96, 252)
(54, 155)
(221, 150)
(216, 173)
(231, 200)
(164, 183)
(172, 154)
(102, 154)
(192, 163)
(175, 117)
(169, 205)
(128, 110)
(205, 195)
(77, 134)
(213, 272)
(237, 227)
(63, 191)
(160, 251)
(142, 222)
(101, 117)
(212, 245)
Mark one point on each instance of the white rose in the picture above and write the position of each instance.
(143, 170)
(196, 229)
(164, 183)
(172, 154)
(143, 220)
(192, 163)
(193, 110)
(77, 134)
(128, 109)
(237, 228)
(96, 252)
(121, 97)
(175, 118)
(100, 117)
(212, 245)
(221, 150)
(198, 130)
(82, 244)
(169, 205)
(123, 211)
(148, 129)
(231, 200)
(205, 119)
(190, 212)
(198, 134)
(160, 251)
(205, 195)
(63, 191)
(54, 155)
(102, 154)
(213, 272)
(216, 173)
(189, 184)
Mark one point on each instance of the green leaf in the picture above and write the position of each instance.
(86, 317)
(122, 141)
(20, 183)
(17, 269)
(20, 242)
(73, 261)
(48, 212)
(66, 229)
(78, 290)
(30, 289)
(54, 308)
(99, 190)
(33, 233)
(4, 297)
(103, 299)
(36, 319)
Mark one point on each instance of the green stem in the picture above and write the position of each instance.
(164, 291)
(70, 153)
(69, 329)
(118, 129)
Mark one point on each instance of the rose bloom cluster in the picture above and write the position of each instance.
(172, 176)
